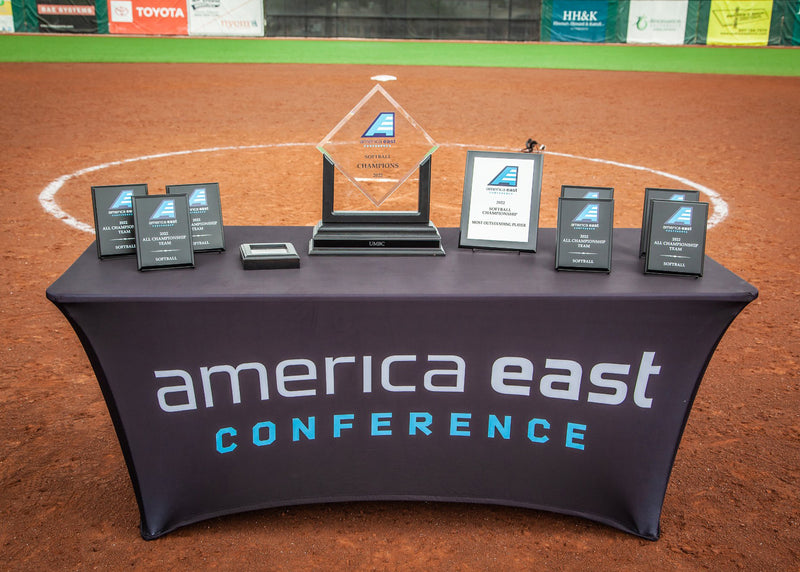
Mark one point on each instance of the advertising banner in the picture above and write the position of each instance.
(6, 16)
(739, 22)
(66, 16)
(657, 21)
(148, 17)
(578, 21)
(226, 18)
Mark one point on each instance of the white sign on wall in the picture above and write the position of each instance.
(657, 21)
(226, 18)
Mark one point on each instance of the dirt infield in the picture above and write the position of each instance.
(66, 501)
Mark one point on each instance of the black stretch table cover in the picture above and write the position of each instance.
(480, 377)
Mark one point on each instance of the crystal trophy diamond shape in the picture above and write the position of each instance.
(370, 205)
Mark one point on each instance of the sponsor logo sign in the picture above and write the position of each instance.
(226, 18)
(739, 22)
(657, 21)
(149, 17)
(6, 16)
(65, 9)
(579, 21)
(73, 17)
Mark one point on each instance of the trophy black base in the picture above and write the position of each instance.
(368, 239)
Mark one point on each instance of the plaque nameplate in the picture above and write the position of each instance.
(264, 256)
(582, 192)
(584, 234)
(205, 211)
(660, 194)
(113, 218)
(677, 237)
(500, 204)
(163, 232)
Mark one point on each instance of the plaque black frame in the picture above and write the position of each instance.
(604, 192)
(380, 233)
(217, 241)
(182, 220)
(649, 193)
(653, 251)
(533, 215)
(101, 238)
(603, 265)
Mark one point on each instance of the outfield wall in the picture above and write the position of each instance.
(667, 22)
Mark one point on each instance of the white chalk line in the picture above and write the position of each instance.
(47, 198)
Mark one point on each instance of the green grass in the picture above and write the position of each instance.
(687, 59)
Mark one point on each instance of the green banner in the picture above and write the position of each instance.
(584, 21)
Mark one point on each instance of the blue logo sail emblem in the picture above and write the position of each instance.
(588, 214)
(682, 217)
(124, 200)
(677, 197)
(382, 126)
(506, 178)
(166, 210)
(198, 198)
(592, 195)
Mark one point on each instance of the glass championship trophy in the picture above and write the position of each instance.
(371, 159)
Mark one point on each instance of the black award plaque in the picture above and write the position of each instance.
(659, 195)
(581, 192)
(113, 218)
(584, 234)
(163, 232)
(677, 238)
(205, 210)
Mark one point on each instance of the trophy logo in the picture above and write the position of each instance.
(124, 201)
(588, 214)
(506, 178)
(165, 211)
(682, 217)
(198, 198)
(383, 126)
